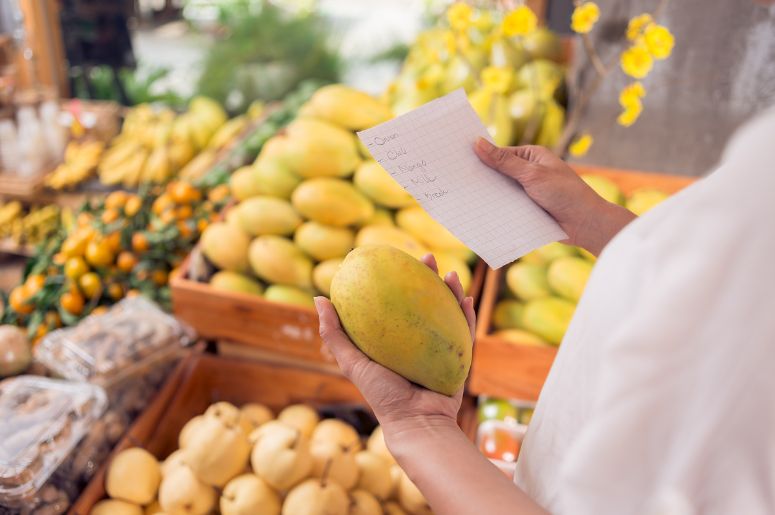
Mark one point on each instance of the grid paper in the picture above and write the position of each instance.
(429, 151)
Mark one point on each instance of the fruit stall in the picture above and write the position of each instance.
(160, 349)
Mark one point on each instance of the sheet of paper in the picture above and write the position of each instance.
(429, 151)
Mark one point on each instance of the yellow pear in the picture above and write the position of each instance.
(374, 474)
(338, 432)
(316, 497)
(281, 455)
(188, 429)
(182, 493)
(154, 509)
(255, 415)
(248, 494)
(302, 417)
(134, 476)
(329, 459)
(411, 498)
(115, 507)
(173, 461)
(217, 451)
(376, 445)
(393, 508)
(363, 503)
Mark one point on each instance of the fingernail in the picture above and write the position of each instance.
(484, 145)
(318, 300)
(451, 275)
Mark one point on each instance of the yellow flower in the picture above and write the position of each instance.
(483, 21)
(659, 41)
(630, 114)
(581, 145)
(636, 61)
(497, 79)
(636, 26)
(449, 42)
(459, 15)
(584, 17)
(519, 22)
(631, 94)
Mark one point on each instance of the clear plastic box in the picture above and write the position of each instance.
(125, 342)
(500, 441)
(41, 421)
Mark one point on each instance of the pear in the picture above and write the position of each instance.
(281, 456)
(395, 478)
(154, 509)
(410, 497)
(172, 462)
(302, 417)
(363, 503)
(316, 497)
(254, 415)
(393, 508)
(248, 494)
(115, 507)
(336, 431)
(134, 476)
(217, 452)
(185, 434)
(339, 465)
(374, 475)
(182, 493)
(226, 412)
(376, 444)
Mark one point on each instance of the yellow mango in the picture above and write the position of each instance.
(644, 199)
(289, 295)
(567, 276)
(377, 184)
(393, 236)
(267, 215)
(448, 263)
(277, 260)
(233, 281)
(324, 241)
(417, 222)
(604, 187)
(520, 337)
(331, 202)
(508, 314)
(323, 274)
(548, 317)
(273, 179)
(380, 217)
(226, 246)
(242, 184)
(527, 281)
(549, 252)
(411, 324)
(346, 107)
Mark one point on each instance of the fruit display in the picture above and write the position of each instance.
(510, 68)
(311, 196)
(429, 339)
(541, 290)
(244, 461)
(80, 163)
(31, 226)
(156, 144)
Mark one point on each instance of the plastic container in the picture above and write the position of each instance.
(500, 441)
(41, 421)
(126, 342)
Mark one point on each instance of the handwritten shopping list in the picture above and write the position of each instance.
(429, 151)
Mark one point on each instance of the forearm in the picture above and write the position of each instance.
(601, 225)
(452, 474)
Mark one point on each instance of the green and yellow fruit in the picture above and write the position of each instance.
(323, 274)
(567, 276)
(267, 215)
(346, 107)
(449, 263)
(324, 241)
(417, 222)
(331, 202)
(243, 183)
(508, 314)
(377, 184)
(604, 187)
(393, 236)
(527, 281)
(548, 318)
(235, 282)
(520, 337)
(277, 260)
(274, 179)
(289, 295)
(644, 199)
(226, 246)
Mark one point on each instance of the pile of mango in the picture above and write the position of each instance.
(542, 288)
(515, 83)
(313, 194)
(156, 144)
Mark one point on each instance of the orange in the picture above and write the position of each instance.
(159, 277)
(74, 245)
(99, 310)
(184, 193)
(126, 261)
(202, 224)
(219, 193)
(72, 302)
(75, 267)
(184, 229)
(34, 284)
(114, 242)
(98, 253)
(116, 200)
(19, 301)
(184, 212)
(167, 217)
(59, 259)
(115, 291)
(90, 285)
(133, 293)
(40, 333)
(161, 204)
(52, 320)
(84, 219)
(133, 205)
(110, 216)
(140, 242)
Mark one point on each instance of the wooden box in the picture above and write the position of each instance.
(505, 369)
(205, 379)
(250, 326)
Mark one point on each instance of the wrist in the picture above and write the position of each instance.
(405, 436)
(601, 225)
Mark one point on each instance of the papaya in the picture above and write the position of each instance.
(377, 184)
(331, 202)
(411, 324)
(233, 281)
(567, 276)
(277, 260)
(508, 314)
(393, 236)
(289, 295)
(644, 199)
(324, 241)
(548, 317)
(604, 187)
(527, 281)
(267, 215)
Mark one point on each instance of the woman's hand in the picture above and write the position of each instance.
(588, 219)
(398, 404)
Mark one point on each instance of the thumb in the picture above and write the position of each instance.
(335, 339)
(502, 159)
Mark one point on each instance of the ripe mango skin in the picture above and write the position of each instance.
(403, 316)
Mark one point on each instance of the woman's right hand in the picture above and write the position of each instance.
(589, 220)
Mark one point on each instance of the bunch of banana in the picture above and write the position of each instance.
(154, 145)
(8, 213)
(81, 158)
(36, 226)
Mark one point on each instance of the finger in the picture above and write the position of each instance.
(468, 311)
(453, 282)
(502, 159)
(430, 261)
(344, 351)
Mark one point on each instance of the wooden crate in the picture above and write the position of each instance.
(206, 378)
(505, 369)
(287, 332)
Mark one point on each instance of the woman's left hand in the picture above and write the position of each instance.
(396, 402)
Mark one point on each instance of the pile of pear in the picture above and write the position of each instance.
(313, 194)
(541, 290)
(244, 461)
